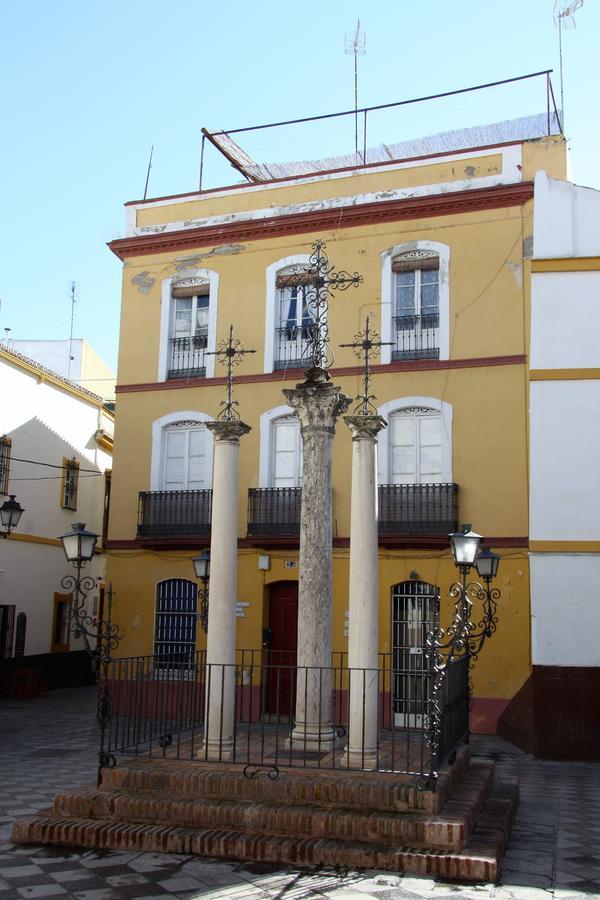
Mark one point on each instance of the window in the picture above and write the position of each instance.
(295, 321)
(70, 483)
(416, 447)
(416, 305)
(106, 509)
(175, 626)
(188, 326)
(286, 449)
(61, 623)
(415, 302)
(186, 457)
(189, 334)
(5, 445)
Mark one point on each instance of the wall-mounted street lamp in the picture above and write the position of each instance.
(10, 513)
(79, 546)
(201, 565)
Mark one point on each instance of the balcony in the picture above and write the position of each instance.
(186, 357)
(274, 511)
(427, 509)
(292, 347)
(174, 513)
(416, 337)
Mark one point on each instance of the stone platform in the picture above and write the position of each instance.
(305, 817)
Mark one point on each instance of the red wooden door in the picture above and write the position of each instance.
(282, 654)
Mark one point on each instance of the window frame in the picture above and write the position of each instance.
(273, 301)
(266, 448)
(159, 431)
(167, 317)
(70, 470)
(388, 294)
(59, 600)
(388, 409)
(5, 453)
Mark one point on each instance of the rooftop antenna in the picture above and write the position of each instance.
(355, 43)
(71, 357)
(148, 172)
(564, 17)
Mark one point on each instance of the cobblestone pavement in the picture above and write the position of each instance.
(50, 744)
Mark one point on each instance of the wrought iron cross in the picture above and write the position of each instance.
(363, 345)
(229, 353)
(319, 279)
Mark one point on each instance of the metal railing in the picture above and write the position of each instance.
(416, 337)
(418, 508)
(186, 357)
(158, 708)
(292, 347)
(274, 510)
(172, 513)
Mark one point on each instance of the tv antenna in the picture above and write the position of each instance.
(71, 357)
(355, 44)
(564, 17)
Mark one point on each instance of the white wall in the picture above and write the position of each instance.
(565, 609)
(46, 424)
(565, 461)
(565, 319)
(565, 219)
(54, 355)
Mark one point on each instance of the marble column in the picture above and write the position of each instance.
(361, 750)
(220, 641)
(318, 404)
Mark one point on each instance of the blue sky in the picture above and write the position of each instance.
(90, 86)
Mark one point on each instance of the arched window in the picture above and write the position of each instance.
(415, 302)
(289, 317)
(188, 326)
(182, 450)
(416, 448)
(280, 449)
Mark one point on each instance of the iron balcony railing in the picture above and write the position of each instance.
(172, 513)
(158, 709)
(274, 511)
(186, 357)
(418, 508)
(416, 337)
(292, 346)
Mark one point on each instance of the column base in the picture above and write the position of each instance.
(319, 738)
(359, 759)
(221, 751)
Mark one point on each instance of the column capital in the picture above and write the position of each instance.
(317, 404)
(365, 427)
(228, 432)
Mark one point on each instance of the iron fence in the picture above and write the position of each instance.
(274, 510)
(418, 508)
(186, 357)
(416, 337)
(158, 708)
(168, 513)
(292, 346)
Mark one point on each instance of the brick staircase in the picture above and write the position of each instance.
(304, 817)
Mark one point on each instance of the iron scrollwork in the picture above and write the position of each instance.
(107, 637)
(318, 279)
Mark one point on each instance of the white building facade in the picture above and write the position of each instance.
(56, 450)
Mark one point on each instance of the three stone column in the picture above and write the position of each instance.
(318, 404)
(361, 750)
(220, 643)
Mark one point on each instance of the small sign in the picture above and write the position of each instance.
(242, 603)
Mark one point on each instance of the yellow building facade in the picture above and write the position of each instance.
(443, 245)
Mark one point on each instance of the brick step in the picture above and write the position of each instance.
(479, 861)
(437, 831)
(308, 787)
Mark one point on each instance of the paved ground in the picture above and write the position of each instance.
(50, 744)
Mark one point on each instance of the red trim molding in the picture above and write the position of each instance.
(443, 204)
(417, 365)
